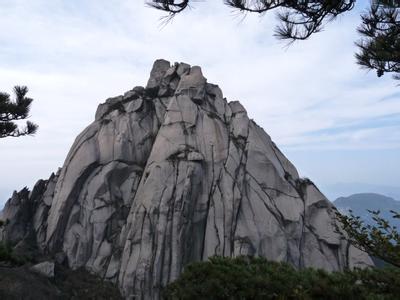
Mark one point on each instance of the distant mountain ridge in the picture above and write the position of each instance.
(362, 202)
(336, 190)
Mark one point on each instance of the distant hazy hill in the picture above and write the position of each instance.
(360, 203)
(333, 191)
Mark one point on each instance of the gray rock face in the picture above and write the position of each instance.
(45, 268)
(173, 173)
(25, 215)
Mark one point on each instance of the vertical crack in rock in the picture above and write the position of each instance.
(169, 174)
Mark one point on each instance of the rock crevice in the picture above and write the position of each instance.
(172, 173)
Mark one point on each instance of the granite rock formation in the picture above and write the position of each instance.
(172, 173)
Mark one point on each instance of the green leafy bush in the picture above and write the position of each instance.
(7, 255)
(381, 240)
(257, 278)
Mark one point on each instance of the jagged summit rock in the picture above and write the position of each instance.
(173, 173)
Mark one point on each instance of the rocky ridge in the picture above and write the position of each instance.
(169, 174)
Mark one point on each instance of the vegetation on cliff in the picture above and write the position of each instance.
(258, 278)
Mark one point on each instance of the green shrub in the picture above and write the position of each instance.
(7, 255)
(257, 278)
(5, 252)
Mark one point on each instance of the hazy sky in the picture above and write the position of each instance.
(334, 121)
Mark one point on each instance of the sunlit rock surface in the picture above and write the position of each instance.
(174, 173)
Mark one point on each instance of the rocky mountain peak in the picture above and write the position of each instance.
(169, 174)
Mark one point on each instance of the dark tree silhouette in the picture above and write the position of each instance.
(12, 111)
(380, 43)
(379, 46)
(299, 18)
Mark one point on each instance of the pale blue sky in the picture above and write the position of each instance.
(336, 122)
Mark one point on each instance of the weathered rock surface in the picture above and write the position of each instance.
(170, 174)
(45, 268)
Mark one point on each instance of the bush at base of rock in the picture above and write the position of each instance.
(23, 283)
(257, 278)
(8, 256)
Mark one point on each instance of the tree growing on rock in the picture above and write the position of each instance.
(378, 48)
(12, 111)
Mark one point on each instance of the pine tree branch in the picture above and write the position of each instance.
(11, 111)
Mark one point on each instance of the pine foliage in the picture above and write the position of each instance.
(378, 47)
(12, 111)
